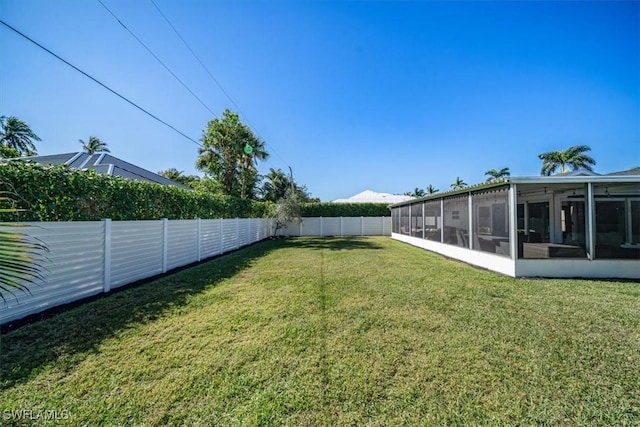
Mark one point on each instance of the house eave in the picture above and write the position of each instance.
(535, 180)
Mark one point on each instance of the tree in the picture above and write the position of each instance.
(228, 154)
(458, 184)
(178, 176)
(417, 192)
(16, 137)
(573, 157)
(288, 209)
(495, 175)
(21, 256)
(208, 185)
(248, 173)
(275, 186)
(431, 190)
(94, 145)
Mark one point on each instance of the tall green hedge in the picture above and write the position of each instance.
(59, 193)
(345, 209)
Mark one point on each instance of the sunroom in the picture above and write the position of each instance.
(561, 226)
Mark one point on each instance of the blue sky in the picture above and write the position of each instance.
(386, 96)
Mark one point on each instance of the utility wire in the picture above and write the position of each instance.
(99, 82)
(157, 59)
(212, 77)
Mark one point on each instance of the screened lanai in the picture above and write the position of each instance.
(567, 226)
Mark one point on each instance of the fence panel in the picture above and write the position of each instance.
(182, 246)
(210, 233)
(136, 251)
(351, 226)
(310, 227)
(74, 267)
(376, 226)
(331, 226)
(244, 231)
(229, 234)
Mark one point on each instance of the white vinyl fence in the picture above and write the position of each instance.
(340, 226)
(86, 258)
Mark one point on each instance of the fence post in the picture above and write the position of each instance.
(221, 236)
(362, 226)
(199, 229)
(321, 231)
(383, 233)
(300, 229)
(165, 243)
(237, 232)
(341, 227)
(106, 286)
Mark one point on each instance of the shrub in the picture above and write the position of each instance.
(59, 193)
(345, 209)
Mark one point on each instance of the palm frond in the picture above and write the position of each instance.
(22, 257)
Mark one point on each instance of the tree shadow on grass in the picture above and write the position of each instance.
(69, 337)
(334, 243)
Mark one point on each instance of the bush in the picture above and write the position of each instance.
(59, 193)
(345, 209)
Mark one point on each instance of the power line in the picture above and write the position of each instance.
(156, 58)
(212, 77)
(99, 82)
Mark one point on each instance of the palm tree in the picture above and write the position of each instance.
(228, 153)
(417, 192)
(94, 145)
(172, 174)
(573, 157)
(495, 175)
(275, 185)
(248, 172)
(458, 184)
(431, 190)
(17, 137)
(178, 176)
(21, 256)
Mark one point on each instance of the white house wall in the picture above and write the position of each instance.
(486, 260)
(558, 267)
(550, 268)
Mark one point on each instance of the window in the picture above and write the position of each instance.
(491, 222)
(635, 221)
(456, 229)
(404, 220)
(572, 216)
(538, 231)
(416, 220)
(432, 221)
(611, 230)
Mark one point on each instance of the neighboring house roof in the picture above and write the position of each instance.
(103, 164)
(628, 172)
(369, 196)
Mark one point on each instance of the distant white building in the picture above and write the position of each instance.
(369, 196)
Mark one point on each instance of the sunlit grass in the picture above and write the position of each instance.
(362, 331)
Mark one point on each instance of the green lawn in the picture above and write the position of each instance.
(363, 331)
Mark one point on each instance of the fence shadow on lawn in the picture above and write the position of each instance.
(69, 337)
(335, 243)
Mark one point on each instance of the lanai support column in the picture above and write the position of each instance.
(591, 222)
(513, 221)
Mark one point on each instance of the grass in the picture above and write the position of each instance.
(363, 331)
